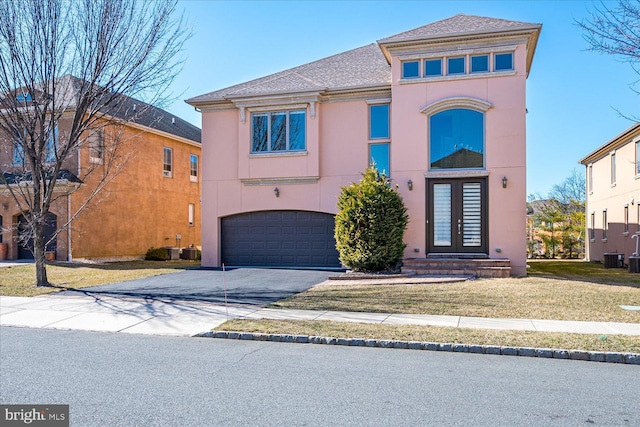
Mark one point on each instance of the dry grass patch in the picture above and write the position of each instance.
(617, 343)
(542, 295)
(19, 281)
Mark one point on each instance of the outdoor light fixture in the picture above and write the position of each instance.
(504, 182)
(410, 184)
(276, 192)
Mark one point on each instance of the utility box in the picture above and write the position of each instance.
(189, 253)
(613, 260)
(634, 264)
(174, 253)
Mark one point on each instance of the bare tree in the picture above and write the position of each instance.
(80, 62)
(615, 31)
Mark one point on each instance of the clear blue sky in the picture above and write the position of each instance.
(572, 94)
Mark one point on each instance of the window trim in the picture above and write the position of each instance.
(626, 220)
(441, 74)
(612, 157)
(268, 114)
(605, 225)
(167, 167)
(488, 70)
(592, 232)
(495, 61)
(402, 73)
(380, 138)
(194, 177)
(464, 65)
(590, 178)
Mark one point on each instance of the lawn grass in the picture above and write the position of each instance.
(19, 280)
(617, 343)
(566, 290)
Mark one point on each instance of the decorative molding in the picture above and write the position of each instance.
(466, 76)
(278, 154)
(378, 101)
(242, 115)
(457, 174)
(294, 180)
(312, 109)
(457, 102)
(458, 51)
(283, 107)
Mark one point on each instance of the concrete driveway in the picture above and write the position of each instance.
(252, 286)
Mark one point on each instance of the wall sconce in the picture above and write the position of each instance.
(276, 192)
(504, 182)
(410, 184)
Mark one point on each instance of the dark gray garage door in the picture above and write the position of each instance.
(279, 239)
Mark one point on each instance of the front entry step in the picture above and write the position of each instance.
(458, 266)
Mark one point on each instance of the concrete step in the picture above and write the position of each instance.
(458, 267)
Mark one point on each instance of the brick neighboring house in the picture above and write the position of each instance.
(440, 109)
(613, 195)
(154, 198)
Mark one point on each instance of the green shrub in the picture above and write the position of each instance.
(157, 254)
(370, 224)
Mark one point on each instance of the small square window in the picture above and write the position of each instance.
(455, 65)
(410, 69)
(379, 121)
(433, 67)
(503, 61)
(480, 64)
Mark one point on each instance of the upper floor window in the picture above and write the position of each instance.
(167, 162)
(410, 69)
(96, 147)
(51, 147)
(193, 168)
(479, 63)
(278, 131)
(379, 157)
(433, 67)
(192, 214)
(590, 178)
(379, 121)
(613, 168)
(455, 65)
(637, 157)
(456, 139)
(23, 97)
(503, 61)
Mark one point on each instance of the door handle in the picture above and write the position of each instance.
(459, 227)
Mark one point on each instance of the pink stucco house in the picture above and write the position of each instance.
(440, 109)
(613, 196)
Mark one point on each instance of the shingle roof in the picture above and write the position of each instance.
(134, 111)
(459, 24)
(364, 66)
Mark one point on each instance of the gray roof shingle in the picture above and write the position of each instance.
(459, 24)
(364, 66)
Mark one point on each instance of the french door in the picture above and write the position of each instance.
(457, 216)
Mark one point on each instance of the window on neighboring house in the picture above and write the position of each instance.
(18, 153)
(605, 225)
(455, 65)
(613, 168)
(456, 139)
(96, 147)
(590, 178)
(410, 69)
(278, 131)
(626, 219)
(167, 163)
(193, 168)
(638, 209)
(637, 157)
(592, 231)
(51, 147)
(379, 121)
(503, 61)
(480, 63)
(379, 156)
(0, 228)
(192, 214)
(433, 67)
(23, 97)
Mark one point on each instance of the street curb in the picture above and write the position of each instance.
(548, 353)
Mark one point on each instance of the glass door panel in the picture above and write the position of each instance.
(442, 215)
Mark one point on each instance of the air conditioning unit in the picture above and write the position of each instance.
(166, 174)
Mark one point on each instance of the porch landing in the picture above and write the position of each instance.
(458, 267)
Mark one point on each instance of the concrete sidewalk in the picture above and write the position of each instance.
(156, 316)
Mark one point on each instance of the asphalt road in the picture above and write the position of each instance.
(128, 380)
(255, 286)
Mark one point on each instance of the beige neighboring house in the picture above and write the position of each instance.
(613, 196)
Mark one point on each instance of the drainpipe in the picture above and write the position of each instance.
(69, 257)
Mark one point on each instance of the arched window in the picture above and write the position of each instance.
(456, 139)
